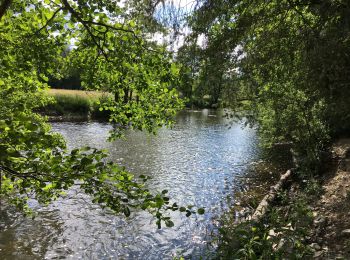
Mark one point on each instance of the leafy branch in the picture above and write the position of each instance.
(84, 23)
(49, 20)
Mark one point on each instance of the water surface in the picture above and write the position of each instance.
(198, 161)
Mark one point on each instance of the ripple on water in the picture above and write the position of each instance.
(197, 161)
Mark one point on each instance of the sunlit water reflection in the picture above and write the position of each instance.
(197, 160)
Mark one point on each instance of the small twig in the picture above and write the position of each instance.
(84, 23)
(301, 14)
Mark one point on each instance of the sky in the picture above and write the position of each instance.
(182, 8)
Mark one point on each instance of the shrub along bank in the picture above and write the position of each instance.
(284, 232)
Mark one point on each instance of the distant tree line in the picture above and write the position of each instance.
(69, 82)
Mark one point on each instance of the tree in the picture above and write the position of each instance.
(291, 61)
(114, 55)
(188, 57)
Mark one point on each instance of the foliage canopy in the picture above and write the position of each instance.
(284, 63)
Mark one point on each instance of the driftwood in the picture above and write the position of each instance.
(270, 197)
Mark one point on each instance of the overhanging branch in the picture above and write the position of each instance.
(84, 23)
(48, 21)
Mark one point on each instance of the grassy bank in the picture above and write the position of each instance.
(75, 104)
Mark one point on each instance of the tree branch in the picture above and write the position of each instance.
(300, 13)
(48, 21)
(18, 174)
(40, 177)
(84, 23)
(111, 27)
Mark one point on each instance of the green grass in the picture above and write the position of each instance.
(75, 103)
(65, 104)
(90, 95)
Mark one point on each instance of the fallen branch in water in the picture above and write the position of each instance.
(270, 197)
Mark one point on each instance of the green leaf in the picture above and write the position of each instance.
(126, 211)
(159, 224)
(132, 23)
(201, 211)
(169, 223)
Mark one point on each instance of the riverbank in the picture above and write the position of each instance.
(309, 219)
(75, 105)
(331, 211)
(80, 105)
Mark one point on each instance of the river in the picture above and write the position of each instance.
(198, 161)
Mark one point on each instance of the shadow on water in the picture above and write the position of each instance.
(24, 238)
(199, 160)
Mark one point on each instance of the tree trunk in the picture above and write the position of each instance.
(126, 95)
(5, 4)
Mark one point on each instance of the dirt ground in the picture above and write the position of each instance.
(331, 212)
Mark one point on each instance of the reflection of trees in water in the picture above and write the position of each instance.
(198, 118)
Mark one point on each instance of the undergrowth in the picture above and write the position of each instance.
(283, 233)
